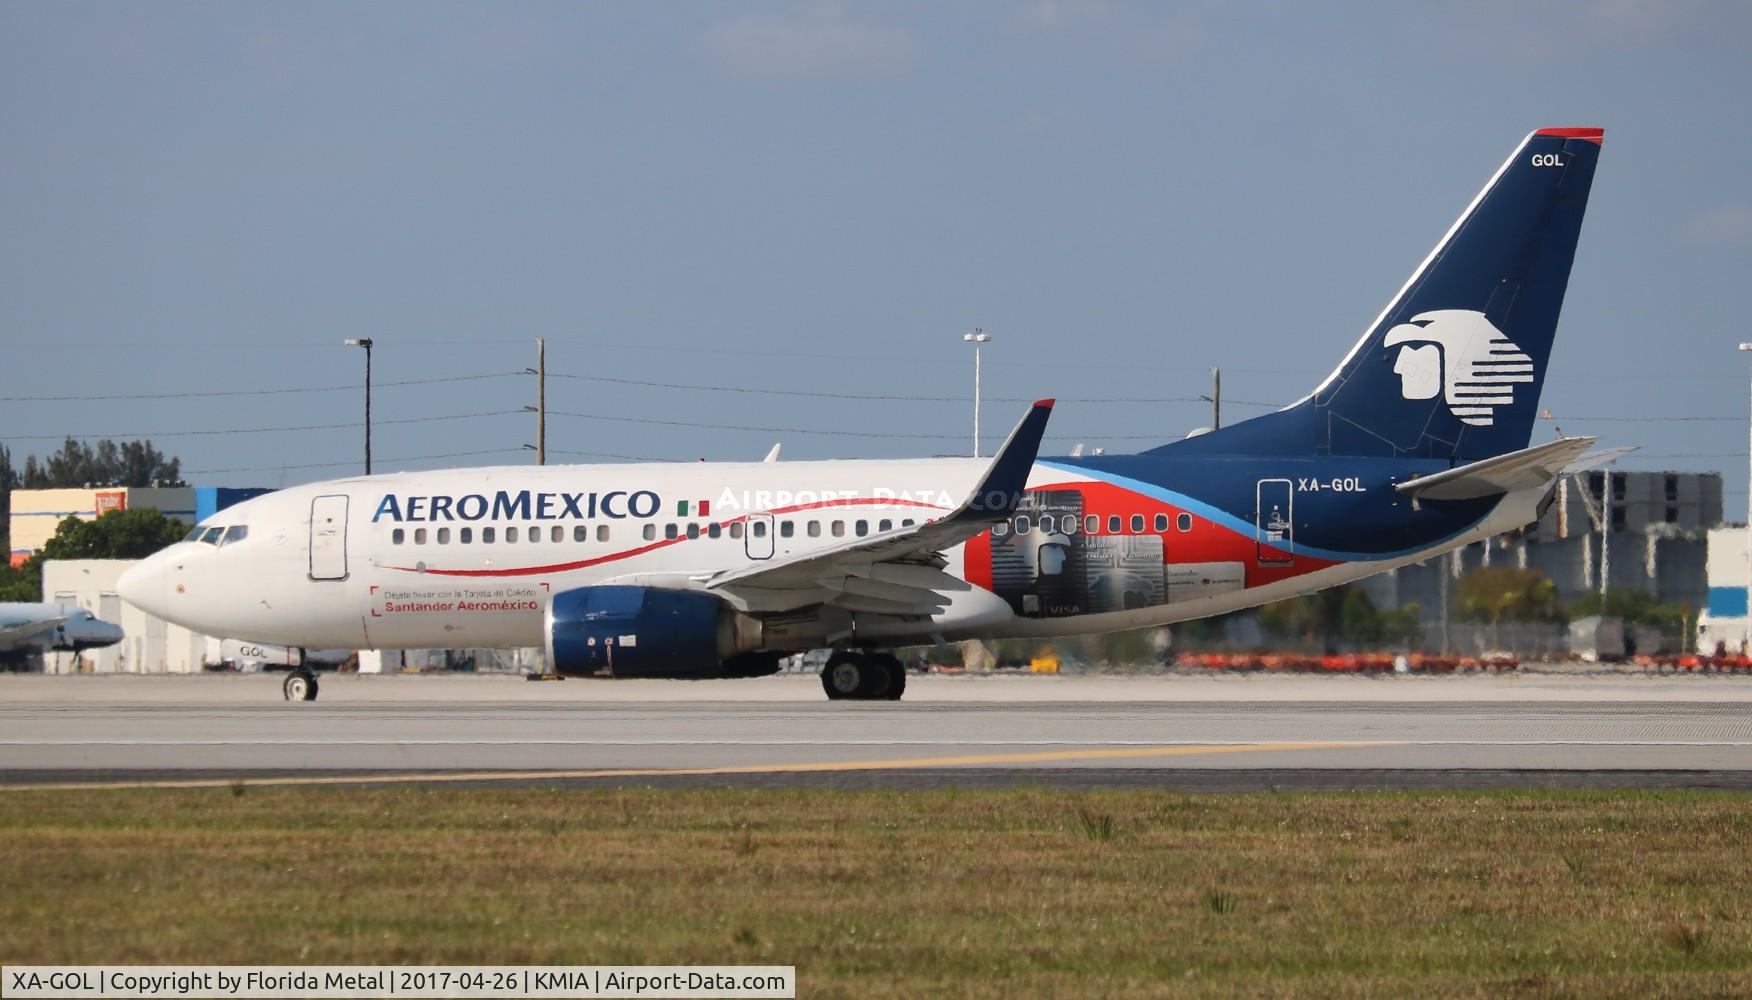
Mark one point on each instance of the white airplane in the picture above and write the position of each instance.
(30, 629)
(1416, 444)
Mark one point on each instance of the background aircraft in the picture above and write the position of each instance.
(30, 629)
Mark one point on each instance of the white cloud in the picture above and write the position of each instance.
(813, 45)
(1727, 226)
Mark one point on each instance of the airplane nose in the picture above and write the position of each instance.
(142, 585)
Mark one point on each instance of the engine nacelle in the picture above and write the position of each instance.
(616, 631)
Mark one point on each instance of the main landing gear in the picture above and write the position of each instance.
(862, 675)
(300, 685)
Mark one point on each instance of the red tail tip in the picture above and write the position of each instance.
(1044, 402)
(1593, 135)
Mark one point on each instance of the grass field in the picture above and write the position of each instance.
(969, 893)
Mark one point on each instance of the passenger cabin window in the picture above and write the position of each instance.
(736, 530)
(534, 535)
(419, 536)
(1113, 524)
(397, 536)
(1183, 521)
(787, 529)
(671, 532)
(443, 536)
(814, 529)
(907, 523)
(602, 532)
(714, 530)
(1023, 523)
(1091, 524)
(885, 525)
(487, 535)
(1137, 522)
(557, 534)
(580, 533)
(465, 535)
(1161, 522)
(1000, 529)
(650, 533)
(511, 533)
(693, 530)
(1068, 524)
(839, 529)
(861, 527)
(759, 529)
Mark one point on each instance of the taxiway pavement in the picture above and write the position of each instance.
(1222, 732)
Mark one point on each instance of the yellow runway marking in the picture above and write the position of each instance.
(898, 764)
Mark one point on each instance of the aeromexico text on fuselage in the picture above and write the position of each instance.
(524, 505)
(529, 505)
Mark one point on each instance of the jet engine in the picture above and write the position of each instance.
(618, 631)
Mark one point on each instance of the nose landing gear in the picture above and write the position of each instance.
(863, 675)
(300, 685)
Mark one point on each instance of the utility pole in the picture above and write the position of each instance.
(976, 338)
(1216, 399)
(1748, 639)
(365, 342)
(540, 401)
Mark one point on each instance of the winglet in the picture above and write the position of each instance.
(1000, 489)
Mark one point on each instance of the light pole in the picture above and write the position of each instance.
(1748, 636)
(976, 338)
(365, 342)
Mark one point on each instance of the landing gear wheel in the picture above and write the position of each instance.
(845, 676)
(860, 676)
(300, 685)
(896, 677)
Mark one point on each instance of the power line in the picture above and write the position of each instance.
(250, 392)
(805, 394)
(335, 465)
(259, 430)
(832, 433)
(1656, 420)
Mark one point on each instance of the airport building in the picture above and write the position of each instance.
(1660, 527)
(36, 513)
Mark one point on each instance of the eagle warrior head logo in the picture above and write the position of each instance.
(1463, 357)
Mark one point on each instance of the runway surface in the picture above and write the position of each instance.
(1212, 733)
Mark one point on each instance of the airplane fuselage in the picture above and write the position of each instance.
(471, 558)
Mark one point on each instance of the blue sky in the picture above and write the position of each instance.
(207, 198)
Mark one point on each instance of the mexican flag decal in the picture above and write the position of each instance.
(693, 508)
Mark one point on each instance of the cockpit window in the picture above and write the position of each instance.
(211, 535)
(235, 533)
(194, 535)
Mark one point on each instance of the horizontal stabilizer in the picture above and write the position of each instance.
(1595, 459)
(1527, 469)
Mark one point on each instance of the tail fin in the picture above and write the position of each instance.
(1453, 367)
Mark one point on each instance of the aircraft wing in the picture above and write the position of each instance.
(899, 571)
(1527, 469)
(14, 633)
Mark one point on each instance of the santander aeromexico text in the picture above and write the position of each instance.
(524, 505)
